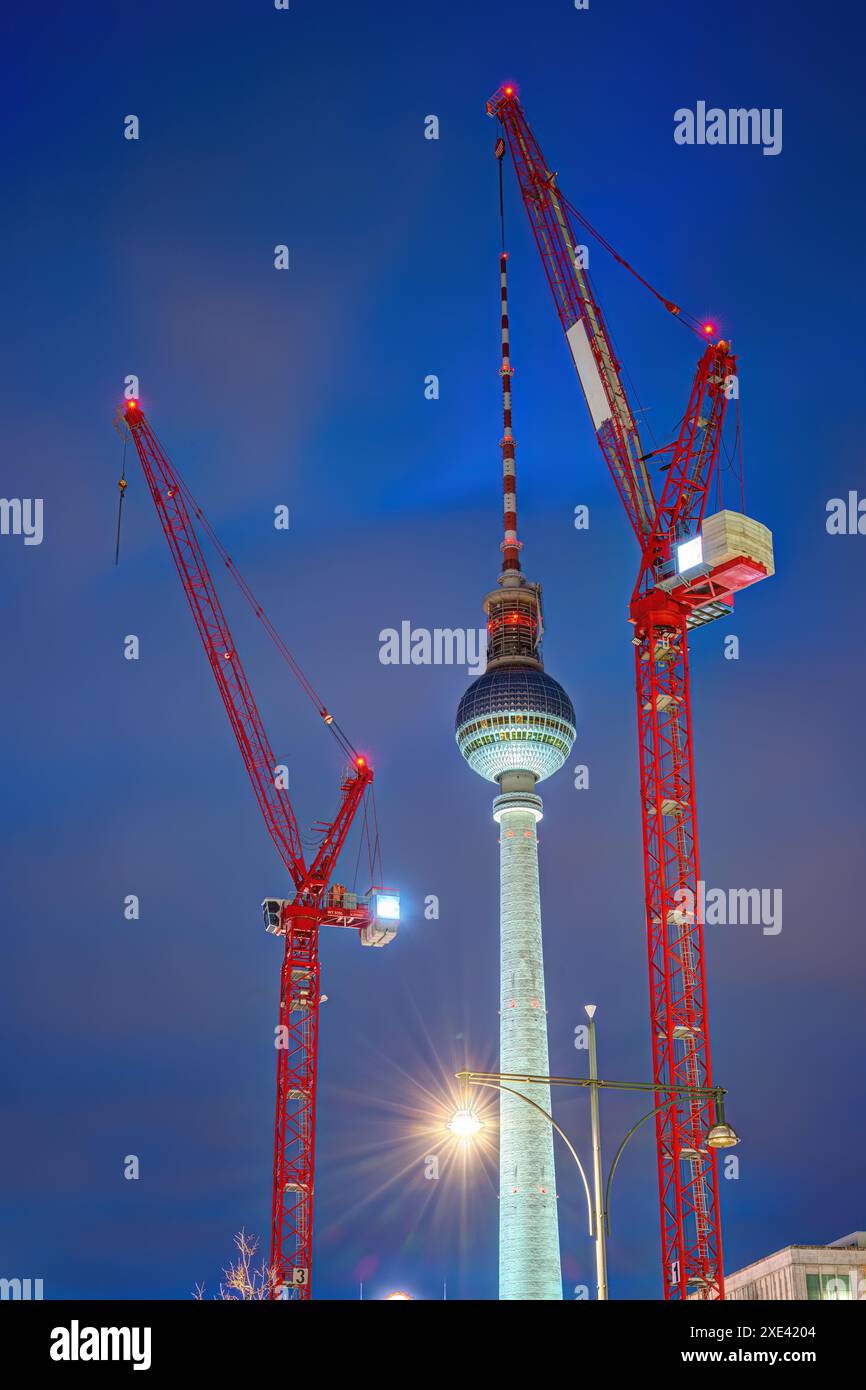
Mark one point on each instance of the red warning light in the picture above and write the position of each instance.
(509, 91)
(360, 762)
(708, 328)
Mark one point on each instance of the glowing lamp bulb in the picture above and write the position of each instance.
(388, 907)
(708, 328)
(464, 1124)
(360, 762)
(508, 91)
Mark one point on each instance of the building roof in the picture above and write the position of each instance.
(854, 1242)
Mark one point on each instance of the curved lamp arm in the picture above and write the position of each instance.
(494, 1086)
(643, 1119)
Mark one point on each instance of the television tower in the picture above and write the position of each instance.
(515, 726)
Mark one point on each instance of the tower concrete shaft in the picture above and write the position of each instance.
(529, 1266)
(515, 725)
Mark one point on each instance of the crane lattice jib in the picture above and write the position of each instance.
(693, 465)
(216, 638)
(687, 1170)
(318, 875)
(580, 315)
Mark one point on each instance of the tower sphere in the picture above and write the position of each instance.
(515, 719)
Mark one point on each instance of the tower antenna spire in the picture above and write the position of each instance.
(510, 544)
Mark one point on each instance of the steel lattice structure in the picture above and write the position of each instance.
(664, 606)
(312, 904)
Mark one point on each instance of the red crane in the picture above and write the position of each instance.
(691, 565)
(315, 901)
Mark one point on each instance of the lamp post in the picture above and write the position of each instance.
(598, 1202)
(465, 1124)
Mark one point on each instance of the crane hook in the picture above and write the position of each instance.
(121, 485)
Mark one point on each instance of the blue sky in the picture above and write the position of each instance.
(306, 388)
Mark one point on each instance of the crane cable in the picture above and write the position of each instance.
(687, 319)
(499, 152)
(374, 849)
(122, 485)
(374, 855)
(277, 640)
(309, 690)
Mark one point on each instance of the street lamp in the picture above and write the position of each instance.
(464, 1124)
(720, 1136)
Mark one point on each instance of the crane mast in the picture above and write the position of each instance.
(669, 598)
(314, 901)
